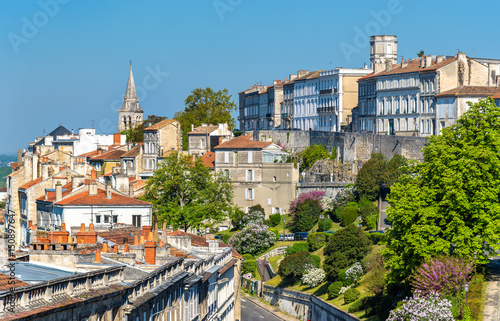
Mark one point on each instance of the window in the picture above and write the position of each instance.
(106, 219)
(250, 157)
(227, 172)
(450, 109)
(226, 157)
(249, 194)
(250, 175)
(274, 179)
(115, 218)
(136, 220)
(98, 219)
(442, 108)
(202, 143)
(235, 158)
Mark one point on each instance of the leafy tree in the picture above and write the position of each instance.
(420, 54)
(334, 289)
(296, 248)
(395, 168)
(275, 219)
(371, 176)
(205, 106)
(186, 193)
(349, 214)
(253, 239)
(450, 203)
(294, 265)
(311, 154)
(344, 248)
(236, 217)
(306, 215)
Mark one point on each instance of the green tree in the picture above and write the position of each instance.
(371, 176)
(450, 203)
(395, 168)
(344, 248)
(420, 54)
(205, 106)
(306, 215)
(311, 154)
(186, 193)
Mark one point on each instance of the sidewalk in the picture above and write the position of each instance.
(491, 310)
(274, 311)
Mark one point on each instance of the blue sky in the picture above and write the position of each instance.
(68, 63)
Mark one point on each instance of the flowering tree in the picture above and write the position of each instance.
(443, 274)
(253, 239)
(328, 204)
(305, 210)
(313, 276)
(354, 272)
(314, 196)
(423, 307)
(253, 216)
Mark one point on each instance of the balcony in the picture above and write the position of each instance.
(285, 116)
(325, 110)
(325, 91)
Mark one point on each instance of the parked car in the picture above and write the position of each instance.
(301, 236)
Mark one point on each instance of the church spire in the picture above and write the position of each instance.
(130, 101)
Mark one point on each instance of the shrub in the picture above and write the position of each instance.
(253, 239)
(376, 238)
(268, 223)
(422, 307)
(443, 275)
(344, 248)
(316, 260)
(237, 218)
(225, 235)
(371, 221)
(296, 248)
(351, 295)
(334, 290)
(366, 208)
(275, 231)
(316, 241)
(248, 257)
(313, 276)
(354, 272)
(306, 214)
(384, 307)
(356, 306)
(312, 196)
(275, 219)
(293, 265)
(254, 215)
(342, 277)
(349, 215)
(375, 281)
(249, 266)
(328, 224)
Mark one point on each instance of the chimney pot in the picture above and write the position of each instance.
(126, 249)
(63, 227)
(82, 227)
(98, 256)
(105, 247)
(108, 191)
(115, 248)
(91, 227)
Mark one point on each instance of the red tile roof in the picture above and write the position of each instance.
(482, 91)
(117, 236)
(208, 159)
(32, 183)
(179, 253)
(412, 66)
(160, 125)
(200, 241)
(203, 129)
(243, 142)
(134, 151)
(6, 282)
(84, 199)
(497, 96)
(16, 172)
(110, 155)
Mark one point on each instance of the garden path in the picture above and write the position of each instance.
(491, 311)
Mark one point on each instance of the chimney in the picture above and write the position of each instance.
(30, 224)
(150, 250)
(439, 59)
(19, 157)
(126, 249)
(301, 72)
(70, 239)
(115, 248)
(35, 165)
(98, 256)
(209, 236)
(428, 61)
(99, 152)
(105, 247)
(192, 127)
(378, 67)
(58, 192)
(82, 227)
(404, 63)
(422, 62)
(63, 227)
(136, 240)
(92, 188)
(93, 174)
(292, 77)
(131, 189)
(108, 191)
(91, 227)
(388, 65)
(117, 137)
(141, 240)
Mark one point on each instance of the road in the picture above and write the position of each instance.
(252, 312)
(383, 216)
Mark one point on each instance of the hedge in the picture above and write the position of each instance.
(316, 241)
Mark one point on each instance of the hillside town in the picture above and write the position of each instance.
(98, 226)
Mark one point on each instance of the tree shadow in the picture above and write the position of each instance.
(323, 289)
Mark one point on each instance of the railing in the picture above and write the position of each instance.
(285, 115)
(325, 110)
(325, 91)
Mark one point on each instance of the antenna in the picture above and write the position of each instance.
(93, 124)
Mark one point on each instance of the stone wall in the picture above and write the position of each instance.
(351, 147)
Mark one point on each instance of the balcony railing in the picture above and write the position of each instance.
(325, 91)
(325, 110)
(285, 115)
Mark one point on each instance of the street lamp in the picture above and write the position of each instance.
(283, 229)
(475, 265)
(466, 289)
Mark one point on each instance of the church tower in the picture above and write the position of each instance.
(130, 114)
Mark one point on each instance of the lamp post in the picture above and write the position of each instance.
(475, 265)
(283, 229)
(466, 289)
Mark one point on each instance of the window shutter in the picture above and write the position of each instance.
(246, 193)
(226, 157)
(250, 157)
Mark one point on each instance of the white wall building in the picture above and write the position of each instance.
(306, 96)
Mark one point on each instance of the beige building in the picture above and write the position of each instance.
(205, 138)
(261, 173)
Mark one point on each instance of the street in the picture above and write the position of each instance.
(252, 312)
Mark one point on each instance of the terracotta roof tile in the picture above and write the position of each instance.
(51, 196)
(243, 142)
(134, 151)
(160, 125)
(208, 159)
(6, 282)
(117, 236)
(482, 91)
(204, 129)
(84, 199)
(200, 241)
(179, 253)
(16, 172)
(32, 183)
(110, 155)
